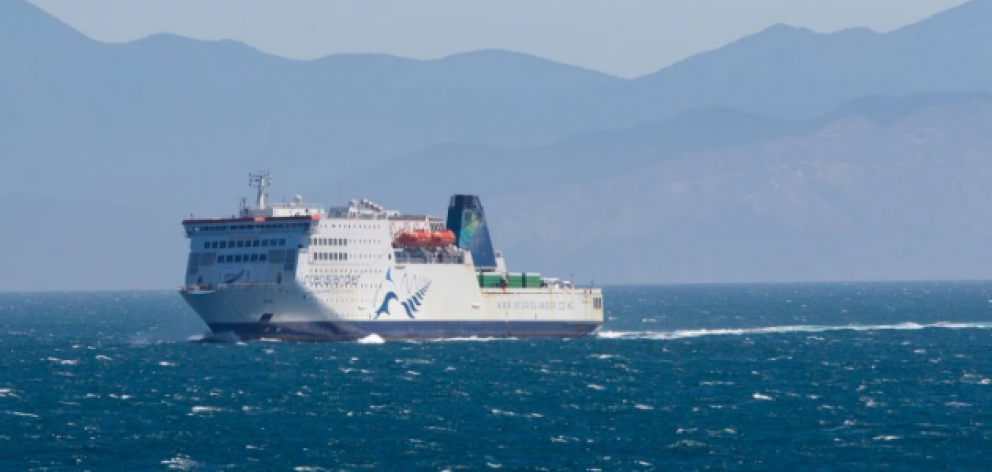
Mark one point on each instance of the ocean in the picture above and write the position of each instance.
(811, 377)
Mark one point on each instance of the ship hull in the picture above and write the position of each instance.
(405, 330)
(293, 313)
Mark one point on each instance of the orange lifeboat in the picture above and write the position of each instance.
(414, 238)
(442, 238)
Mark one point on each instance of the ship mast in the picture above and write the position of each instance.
(262, 180)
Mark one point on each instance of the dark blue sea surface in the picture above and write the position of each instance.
(830, 377)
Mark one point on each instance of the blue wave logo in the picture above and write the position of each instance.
(412, 303)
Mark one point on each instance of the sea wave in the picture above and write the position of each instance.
(695, 333)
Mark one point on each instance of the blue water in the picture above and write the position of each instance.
(893, 376)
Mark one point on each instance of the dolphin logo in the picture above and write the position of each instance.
(384, 308)
(411, 305)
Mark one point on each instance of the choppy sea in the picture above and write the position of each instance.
(817, 377)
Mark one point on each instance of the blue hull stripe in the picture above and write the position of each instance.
(410, 330)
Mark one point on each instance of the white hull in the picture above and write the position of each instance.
(450, 304)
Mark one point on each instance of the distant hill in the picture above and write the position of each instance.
(793, 72)
(132, 137)
(908, 197)
(882, 188)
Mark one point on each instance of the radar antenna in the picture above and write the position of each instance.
(262, 180)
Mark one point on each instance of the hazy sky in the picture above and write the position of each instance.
(621, 37)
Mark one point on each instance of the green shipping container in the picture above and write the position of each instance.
(515, 279)
(489, 280)
(532, 280)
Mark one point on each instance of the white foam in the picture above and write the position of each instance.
(695, 333)
(180, 462)
(20, 413)
(205, 409)
(758, 396)
(372, 339)
(62, 361)
(472, 338)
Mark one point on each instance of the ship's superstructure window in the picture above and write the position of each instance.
(263, 257)
(244, 243)
(330, 256)
(329, 242)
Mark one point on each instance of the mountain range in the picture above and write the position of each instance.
(663, 178)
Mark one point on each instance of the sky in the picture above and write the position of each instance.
(627, 38)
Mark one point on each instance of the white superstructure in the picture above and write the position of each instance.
(300, 271)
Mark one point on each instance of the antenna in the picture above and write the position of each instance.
(262, 180)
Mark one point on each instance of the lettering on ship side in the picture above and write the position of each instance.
(531, 306)
(331, 281)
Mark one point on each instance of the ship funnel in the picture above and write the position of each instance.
(468, 221)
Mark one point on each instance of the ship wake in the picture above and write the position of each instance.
(696, 333)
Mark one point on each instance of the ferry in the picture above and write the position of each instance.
(302, 272)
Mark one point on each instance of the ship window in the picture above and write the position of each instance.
(265, 243)
(213, 245)
(220, 259)
(261, 257)
(241, 244)
(282, 242)
(223, 244)
(254, 257)
(230, 258)
(206, 245)
(254, 243)
(237, 258)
